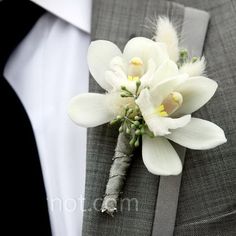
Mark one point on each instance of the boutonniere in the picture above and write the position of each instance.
(152, 88)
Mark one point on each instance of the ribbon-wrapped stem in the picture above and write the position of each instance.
(121, 162)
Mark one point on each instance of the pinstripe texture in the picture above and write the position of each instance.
(207, 202)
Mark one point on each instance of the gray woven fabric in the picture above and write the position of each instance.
(207, 202)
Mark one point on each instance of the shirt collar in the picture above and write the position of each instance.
(76, 12)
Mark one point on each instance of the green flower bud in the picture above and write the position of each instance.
(121, 129)
(130, 111)
(137, 117)
(113, 122)
(136, 144)
(136, 123)
(132, 141)
(138, 83)
(127, 130)
(183, 53)
(124, 94)
(142, 130)
(119, 117)
(194, 59)
(138, 132)
(133, 126)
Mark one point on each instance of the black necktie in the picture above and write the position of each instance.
(24, 204)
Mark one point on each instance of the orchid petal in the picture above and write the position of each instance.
(158, 125)
(198, 134)
(145, 49)
(90, 110)
(166, 70)
(148, 113)
(119, 62)
(147, 78)
(115, 79)
(196, 92)
(100, 54)
(175, 123)
(163, 89)
(160, 157)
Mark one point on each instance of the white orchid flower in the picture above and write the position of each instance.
(112, 70)
(174, 99)
(166, 95)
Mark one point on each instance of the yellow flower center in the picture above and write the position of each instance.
(135, 69)
(133, 78)
(161, 110)
(170, 104)
(136, 61)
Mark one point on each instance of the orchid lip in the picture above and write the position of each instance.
(135, 68)
(170, 104)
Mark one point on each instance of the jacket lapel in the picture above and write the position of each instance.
(118, 21)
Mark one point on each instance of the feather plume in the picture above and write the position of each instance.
(166, 33)
(194, 68)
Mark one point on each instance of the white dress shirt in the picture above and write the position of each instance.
(46, 70)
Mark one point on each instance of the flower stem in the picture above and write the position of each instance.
(121, 161)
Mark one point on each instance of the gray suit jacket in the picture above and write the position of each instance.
(207, 200)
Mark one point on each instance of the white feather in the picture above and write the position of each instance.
(194, 68)
(166, 33)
